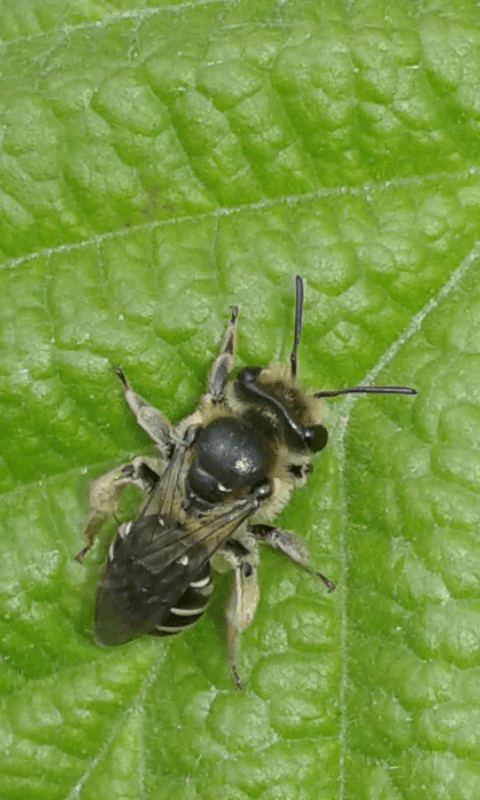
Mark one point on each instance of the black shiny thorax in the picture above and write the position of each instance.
(231, 459)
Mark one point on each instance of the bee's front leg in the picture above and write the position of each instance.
(223, 363)
(149, 418)
(142, 472)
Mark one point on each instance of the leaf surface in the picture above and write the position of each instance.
(158, 164)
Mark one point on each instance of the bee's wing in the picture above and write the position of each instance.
(150, 566)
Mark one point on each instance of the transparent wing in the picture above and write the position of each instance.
(151, 564)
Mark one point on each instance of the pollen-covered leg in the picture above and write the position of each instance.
(241, 607)
(244, 596)
(105, 492)
(149, 418)
(291, 545)
(223, 363)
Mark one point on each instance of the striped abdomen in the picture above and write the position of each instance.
(189, 607)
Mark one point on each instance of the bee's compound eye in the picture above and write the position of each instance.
(316, 438)
(248, 375)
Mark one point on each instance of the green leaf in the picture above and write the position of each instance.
(158, 164)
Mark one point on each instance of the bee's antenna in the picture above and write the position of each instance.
(367, 390)
(298, 323)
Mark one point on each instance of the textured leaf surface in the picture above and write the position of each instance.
(157, 164)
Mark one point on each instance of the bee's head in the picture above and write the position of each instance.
(280, 399)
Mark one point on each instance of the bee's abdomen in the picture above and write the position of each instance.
(189, 608)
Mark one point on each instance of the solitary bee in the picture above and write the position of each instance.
(221, 471)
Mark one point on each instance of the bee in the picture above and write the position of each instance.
(222, 472)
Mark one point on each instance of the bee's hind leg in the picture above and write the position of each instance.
(141, 472)
(244, 595)
(223, 363)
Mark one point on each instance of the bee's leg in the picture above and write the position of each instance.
(105, 492)
(223, 363)
(149, 418)
(244, 596)
(291, 545)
